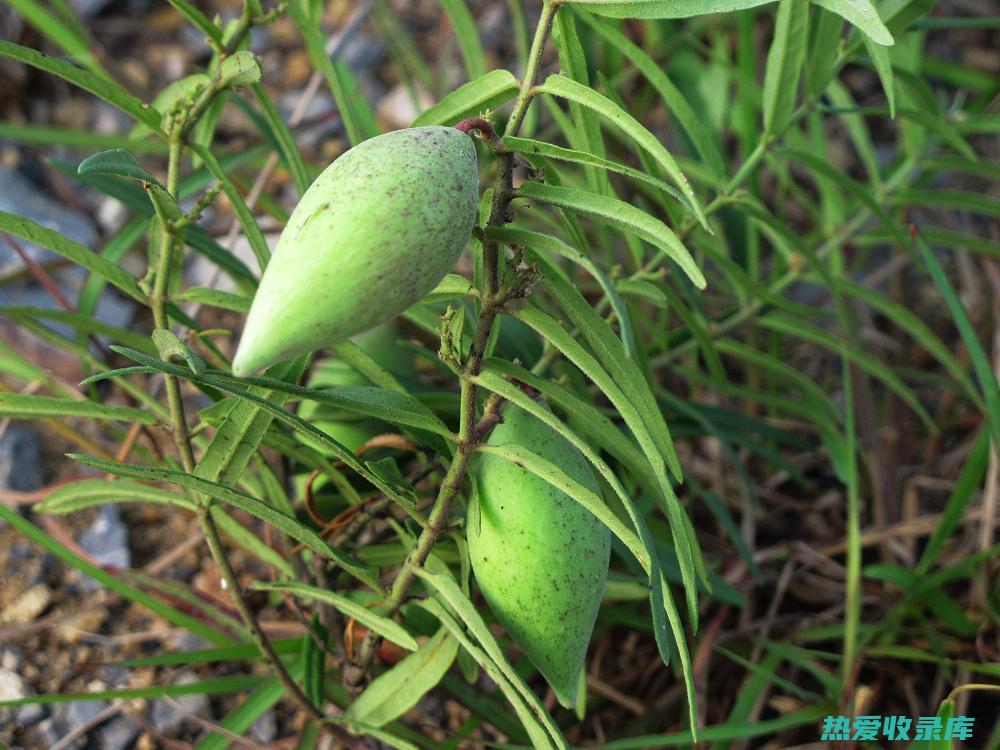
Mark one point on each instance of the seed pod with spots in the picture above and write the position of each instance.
(376, 231)
(540, 559)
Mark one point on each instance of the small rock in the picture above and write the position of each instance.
(167, 716)
(27, 606)
(106, 539)
(81, 712)
(12, 687)
(30, 714)
(20, 456)
(265, 729)
(11, 657)
(118, 733)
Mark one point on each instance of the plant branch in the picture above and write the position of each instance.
(260, 638)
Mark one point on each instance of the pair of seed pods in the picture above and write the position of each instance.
(373, 235)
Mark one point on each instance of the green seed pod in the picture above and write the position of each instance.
(376, 231)
(541, 559)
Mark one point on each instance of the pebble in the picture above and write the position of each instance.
(13, 688)
(106, 539)
(265, 729)
(20, 458)
(118, 733)
(27, 606)
(168, 716)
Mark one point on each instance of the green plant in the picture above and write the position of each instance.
(700, 246)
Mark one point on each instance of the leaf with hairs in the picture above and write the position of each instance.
(95, 84)
(71, 250)
(473, 98)
(384, 626)
(560, 86)
(397, 690)
(621, 215)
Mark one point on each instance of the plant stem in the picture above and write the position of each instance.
(260, 638)
(171, 242)
(471, 431)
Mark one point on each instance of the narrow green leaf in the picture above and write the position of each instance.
(382, 625)
(862, 14)
(351, 109)
(785, 60)
(530, 147)
(86, 80)
(618, 214)
(396, 691)
(296, 530)
(980, 361)
(284, 138)
(883, 66)
(672, 97)
(72, 251)
(198, 19)
(215, 686)
(567, 88)
(473, 98)
(21, 406)
(86, 493)
(70, 39)
(665, 8)
(568, 345)
(467, 36)
(214, 298)
(451, 596)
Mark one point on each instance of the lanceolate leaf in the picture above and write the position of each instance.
(665, 8)
(530, 147)
(396, 691)
(251, 505)
(89, 492)
(567, 88)
(21, 406)
(71, 250)
(862, 14)
(784, 63)
(100, 87)
(450, 595)
(382, 625)
(474, 98)
(549, 329)
(672, 97)
(618, 214)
